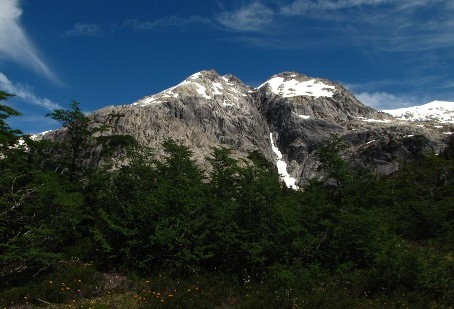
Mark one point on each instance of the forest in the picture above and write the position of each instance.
(146, 232)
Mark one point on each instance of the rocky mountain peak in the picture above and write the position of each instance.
(204, 87)
(291, 84)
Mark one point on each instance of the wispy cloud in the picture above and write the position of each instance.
(25, 93)
(32, 122)
(387, 25)
(381, 99)
(81, 29)
(252, 17)
(384, 25)
(299, 7)
(385, 100)
(168, 22)
(14, 43)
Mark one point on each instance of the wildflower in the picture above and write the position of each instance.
(170, 295)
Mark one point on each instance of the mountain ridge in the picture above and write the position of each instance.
(287, 118)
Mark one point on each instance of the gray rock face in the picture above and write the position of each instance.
(207, 110)
(204, 111)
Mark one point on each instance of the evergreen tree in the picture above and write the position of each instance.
(79, 139)
(8, 136)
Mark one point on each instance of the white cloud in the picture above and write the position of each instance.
(382, 25)
(171, 21)
(385, 100)
(25, 93)
(14, 43)
(81, 29)
(252, 17)
(303, 6)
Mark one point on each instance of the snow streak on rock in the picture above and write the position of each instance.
(289, 181)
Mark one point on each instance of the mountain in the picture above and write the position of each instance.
(286, 119)
(438, 111)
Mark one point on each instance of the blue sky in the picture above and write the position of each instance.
(390, 53)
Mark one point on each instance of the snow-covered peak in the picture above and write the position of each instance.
(291, 85)
(438, 111)
(204, 84)
(39, 136)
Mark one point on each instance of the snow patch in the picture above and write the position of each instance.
(195, 75)
(375, 120)
(227, 104)
(217, 88)
(289, 181)
(39, 136)
(293, 88)
(441, 111)
(304, 116)
(202, 91)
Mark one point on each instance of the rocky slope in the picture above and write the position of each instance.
(204, 111)
(286, 119)
(306, 112)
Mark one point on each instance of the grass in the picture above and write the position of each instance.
(77, 285)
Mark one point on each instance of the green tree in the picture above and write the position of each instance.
(8, 136)
(79, 140)
(222, 205)
(181, 238)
